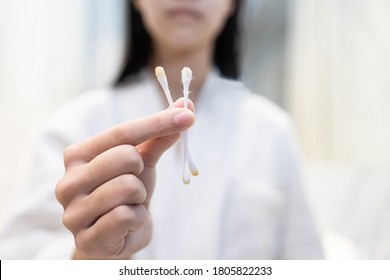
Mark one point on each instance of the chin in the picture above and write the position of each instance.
(183, 38)
(183, 45)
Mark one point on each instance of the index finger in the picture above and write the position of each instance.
(133, 132)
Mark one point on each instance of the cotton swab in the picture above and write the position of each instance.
(189, 162)
(162, 79)
(186, 77)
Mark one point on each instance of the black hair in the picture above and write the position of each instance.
(139, 45)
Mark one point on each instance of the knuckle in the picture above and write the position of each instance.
(158, 126)
(122, 214)
(69, 220)
(70, 154)
(142, 212)
(62, 191)
(131, 158)
(65, 189)
(140, 216)
(133, 190)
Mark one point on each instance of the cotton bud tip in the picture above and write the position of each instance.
(186, 176)
(162, 79)
(193, 167)
(194, 172)
(160, 73)
(186, 74)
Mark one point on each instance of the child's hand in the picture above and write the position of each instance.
(109, 180)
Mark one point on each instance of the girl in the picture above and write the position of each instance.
(247, 202)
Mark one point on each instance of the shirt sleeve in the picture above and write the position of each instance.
(34, 229)
(300, 235)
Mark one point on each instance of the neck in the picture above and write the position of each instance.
(199, 61)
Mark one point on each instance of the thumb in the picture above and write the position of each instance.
(152, 150)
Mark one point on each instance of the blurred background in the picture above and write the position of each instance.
(327, 62)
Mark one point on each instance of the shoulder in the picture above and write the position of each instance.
(99, 100)
(82, 116)
(262, 110)
(86, 101)
(98, 109)
(255, 109)
(83, 107)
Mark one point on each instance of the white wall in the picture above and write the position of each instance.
(49, 52)
(339, 80)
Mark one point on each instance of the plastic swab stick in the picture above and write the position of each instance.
(162, 79)
(189, 162)
(186, 77)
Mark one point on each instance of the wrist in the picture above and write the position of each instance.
(77, 255)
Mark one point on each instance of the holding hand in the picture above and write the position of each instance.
(109, 180)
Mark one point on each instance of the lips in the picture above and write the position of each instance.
(184, 13)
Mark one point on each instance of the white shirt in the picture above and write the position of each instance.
(247, 202)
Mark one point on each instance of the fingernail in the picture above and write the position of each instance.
(184, 118)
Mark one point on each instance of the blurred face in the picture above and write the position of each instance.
(184, 25)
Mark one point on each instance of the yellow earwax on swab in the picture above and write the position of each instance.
(186, 75)
(162, 79)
